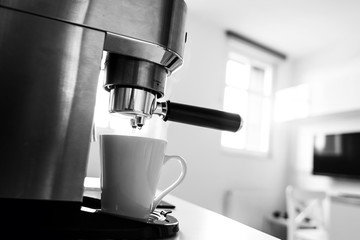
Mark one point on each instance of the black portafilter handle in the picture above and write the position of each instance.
(203, 117)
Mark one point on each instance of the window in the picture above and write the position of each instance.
(248, 91)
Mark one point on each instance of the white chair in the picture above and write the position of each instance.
(307, 214)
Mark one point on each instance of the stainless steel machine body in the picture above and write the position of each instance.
(50, 54)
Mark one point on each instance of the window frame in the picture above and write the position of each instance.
(256, 57)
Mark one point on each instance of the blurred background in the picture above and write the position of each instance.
(291, 69)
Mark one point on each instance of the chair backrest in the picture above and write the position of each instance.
(306, 209)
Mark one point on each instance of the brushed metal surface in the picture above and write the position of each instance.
(49, 73)
(123, 71)
(147, 29)
(132, 102)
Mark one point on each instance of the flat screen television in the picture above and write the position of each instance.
(337, 155)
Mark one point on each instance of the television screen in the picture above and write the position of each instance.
(337, 155)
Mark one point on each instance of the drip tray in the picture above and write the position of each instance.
(99, 225)
(38, 219)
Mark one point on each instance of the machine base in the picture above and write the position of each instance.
(59, 220)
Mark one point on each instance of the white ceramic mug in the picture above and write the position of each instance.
(130, 171)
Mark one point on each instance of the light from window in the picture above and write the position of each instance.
(248, 92)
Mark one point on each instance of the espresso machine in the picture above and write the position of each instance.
(50, 55)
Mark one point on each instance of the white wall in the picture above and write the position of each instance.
(333, 77)
(246, 188)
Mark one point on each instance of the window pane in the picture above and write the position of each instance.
(258, 127)
(257, 80)
(237, 74)
(254, 120)
(266, 121)
(236, 101)
(268, 81)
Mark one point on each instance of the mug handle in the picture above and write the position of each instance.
(175, 184)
